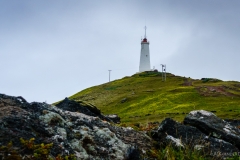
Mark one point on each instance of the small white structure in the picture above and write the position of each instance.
(144, 55)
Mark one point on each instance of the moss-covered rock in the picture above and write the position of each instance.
(71, 128)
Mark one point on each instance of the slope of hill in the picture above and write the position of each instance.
(144, 97)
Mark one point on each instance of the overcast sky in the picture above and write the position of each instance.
(51, 49)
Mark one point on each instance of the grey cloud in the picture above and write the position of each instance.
(51, 50)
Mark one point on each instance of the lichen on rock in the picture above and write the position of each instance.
(87, 135)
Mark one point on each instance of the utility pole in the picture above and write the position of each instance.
(162, 71)
(109, 74)
(165, 71)
(164, 68)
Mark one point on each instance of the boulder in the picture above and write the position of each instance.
(78, 106)
(81, 107)
(210, 124)
(114, 117)
(233, 122)
(84, 134)
(180, 136)
(123, 100)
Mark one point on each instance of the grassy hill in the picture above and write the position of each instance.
(144, 97)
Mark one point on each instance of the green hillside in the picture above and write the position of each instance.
(144, 97)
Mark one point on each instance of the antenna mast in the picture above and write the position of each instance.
(145, 36)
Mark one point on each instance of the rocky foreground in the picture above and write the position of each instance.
(79, 129)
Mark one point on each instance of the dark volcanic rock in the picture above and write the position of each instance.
(181, 135)
(82, 107)
(83, 134)
(115, 118)
(210, 124)
(78, 128)
(233, 122)
(78, 106)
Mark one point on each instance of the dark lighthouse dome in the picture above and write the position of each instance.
(144, 40)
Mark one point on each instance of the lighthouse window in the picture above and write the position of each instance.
(146, 55)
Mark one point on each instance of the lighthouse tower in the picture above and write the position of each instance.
(144, 55)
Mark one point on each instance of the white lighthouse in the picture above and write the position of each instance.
(144, 55)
